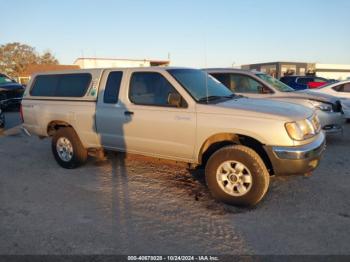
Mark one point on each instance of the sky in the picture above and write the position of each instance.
(194, 33)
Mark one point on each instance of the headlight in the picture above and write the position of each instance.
(301, 130)
(321, 106)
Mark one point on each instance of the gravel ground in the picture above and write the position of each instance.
(137, 205)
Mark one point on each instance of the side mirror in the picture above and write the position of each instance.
(174, 99)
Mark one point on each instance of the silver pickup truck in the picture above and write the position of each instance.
(179, 114)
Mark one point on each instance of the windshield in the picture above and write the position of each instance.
(201, 86)
(4, 80)
(282, 87)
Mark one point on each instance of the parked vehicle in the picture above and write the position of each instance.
(305, 82)
(255, 84)
(2, 119)
(10, 92)
(178, 114)
(341, 90)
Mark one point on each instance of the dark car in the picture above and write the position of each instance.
(2, 119)
(305, 82)
(10, 92)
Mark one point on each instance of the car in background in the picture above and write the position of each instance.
(11, 92)
(340, 90)
(2, 119)
(305, 82)
(255, 84)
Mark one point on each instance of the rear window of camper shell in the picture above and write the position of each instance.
(61, 85)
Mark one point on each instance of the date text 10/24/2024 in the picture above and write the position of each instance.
(173, 258)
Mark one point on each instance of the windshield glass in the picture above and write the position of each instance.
(282, 87)
(4, 80)
(200, 85)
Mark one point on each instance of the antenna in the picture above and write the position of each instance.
(82, 54)
(205, 65)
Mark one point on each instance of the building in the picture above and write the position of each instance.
(116, 62)
(25, 76)
(333, 71)
(279, 69)
(85, 63)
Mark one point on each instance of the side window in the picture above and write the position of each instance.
(287, 80)
(45, 85)
(73, 85)
(244, 84)
(338, 88)
(68, 85)
(320, 79)
(222, 78)
(111, 93)
(304, 80)
(150, 88)
(346, 88)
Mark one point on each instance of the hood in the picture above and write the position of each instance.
(307, 94)
(258, 108)
(10, 86)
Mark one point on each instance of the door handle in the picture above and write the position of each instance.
(128, 113)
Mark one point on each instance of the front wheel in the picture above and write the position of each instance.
(237, 175)
(67, 148)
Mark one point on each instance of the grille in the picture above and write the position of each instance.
(337, 107)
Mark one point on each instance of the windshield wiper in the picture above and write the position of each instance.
(213, 98)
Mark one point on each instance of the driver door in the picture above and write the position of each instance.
(154, 126)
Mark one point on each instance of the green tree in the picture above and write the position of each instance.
(47, 59)
(16, 57)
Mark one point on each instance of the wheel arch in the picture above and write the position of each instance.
(217, 141)
(54, 125)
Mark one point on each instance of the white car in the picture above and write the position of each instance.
(254, 84)
(340, 90)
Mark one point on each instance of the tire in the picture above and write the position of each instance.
(241, 167)
(76, 154)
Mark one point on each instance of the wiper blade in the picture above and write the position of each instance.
(209, 98)
(212, 98)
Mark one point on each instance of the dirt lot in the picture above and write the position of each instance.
(135, 205)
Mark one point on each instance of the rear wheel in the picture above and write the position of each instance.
(237, 175)
(67, 148)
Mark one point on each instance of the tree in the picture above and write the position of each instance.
(16, 57)
(47, 59)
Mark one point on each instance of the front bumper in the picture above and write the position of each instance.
(298, 159)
